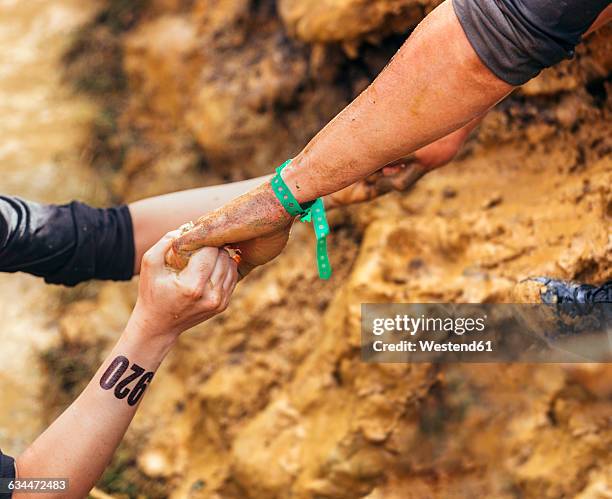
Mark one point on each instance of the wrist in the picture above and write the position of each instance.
(149, 336)
(276, 214)
(301, 192)
(292, 175)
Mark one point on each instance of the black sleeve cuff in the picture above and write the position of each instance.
(516, 39)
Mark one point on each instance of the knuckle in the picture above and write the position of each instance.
(214, 300)
(193, 293)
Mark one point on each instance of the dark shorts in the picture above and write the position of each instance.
(7, 472)
(516, 39)
(66, 244)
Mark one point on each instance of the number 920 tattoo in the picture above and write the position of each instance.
(116, 370)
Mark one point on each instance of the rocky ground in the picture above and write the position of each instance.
(271, 399)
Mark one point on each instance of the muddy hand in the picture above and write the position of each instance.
(254, 223)
(261, 250)
(258, 226)
(398, 176)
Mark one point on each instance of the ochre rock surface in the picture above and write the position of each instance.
(350, 20)
(271, 400)
(226, 75)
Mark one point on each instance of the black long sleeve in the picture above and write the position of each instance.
(66, 244)
(7, 473)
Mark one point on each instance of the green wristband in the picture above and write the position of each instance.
(313, 211)
(321, 227)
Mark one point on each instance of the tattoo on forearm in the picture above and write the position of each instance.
(116, 370)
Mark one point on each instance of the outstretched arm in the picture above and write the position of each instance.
(80, 443)
(435, 84)
(402, 174)
(153, 217)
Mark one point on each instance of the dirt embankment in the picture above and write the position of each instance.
(271, 399)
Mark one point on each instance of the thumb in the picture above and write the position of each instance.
(211, 230)
(155, 254)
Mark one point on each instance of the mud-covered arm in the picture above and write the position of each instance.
(450, 72)
(153, 217)
(434, 85)
(462, 59)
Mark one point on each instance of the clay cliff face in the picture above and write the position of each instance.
(351, 21)
(271, 400)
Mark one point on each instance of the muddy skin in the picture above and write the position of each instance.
(255, 214)
(239, 392)
(264, 237)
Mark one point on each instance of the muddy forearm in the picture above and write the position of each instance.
(154, 217)
(435, 84)
(253, 214)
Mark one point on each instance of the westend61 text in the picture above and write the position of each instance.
(432, 346)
